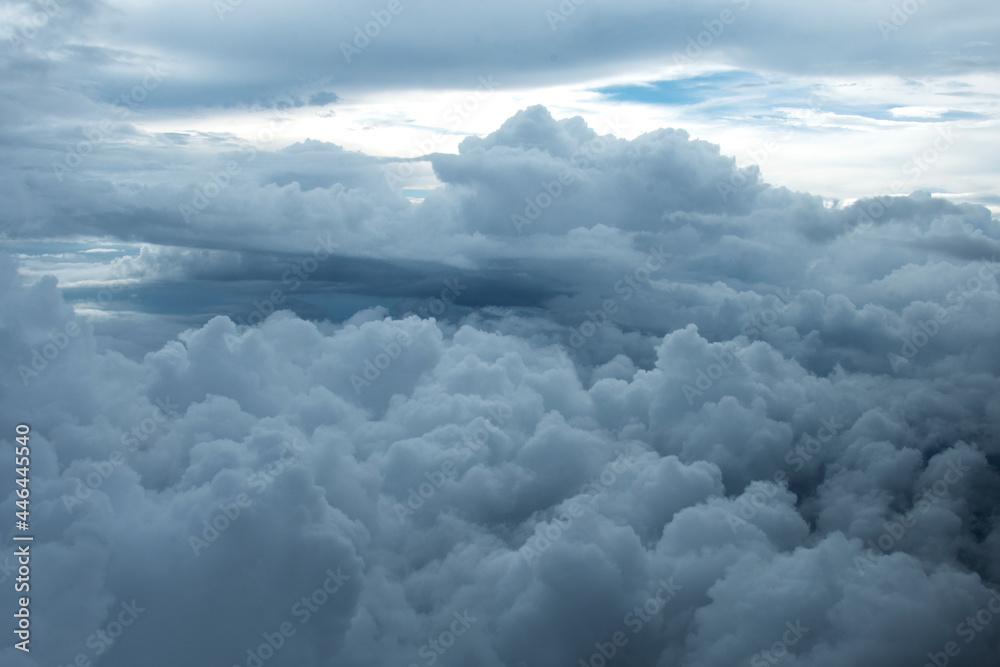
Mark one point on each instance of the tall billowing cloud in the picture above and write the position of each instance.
(624, 404)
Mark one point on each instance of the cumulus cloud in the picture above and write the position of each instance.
(717, 461)
(582, 396)
(615, 396)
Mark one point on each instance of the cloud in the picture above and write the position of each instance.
(604, 394)
(482, 487)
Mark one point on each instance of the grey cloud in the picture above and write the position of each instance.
(737, 349)
(701, 503)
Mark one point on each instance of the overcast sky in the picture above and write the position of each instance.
(521, 333)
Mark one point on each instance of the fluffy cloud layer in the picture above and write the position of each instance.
(623, 397)
(186, 77)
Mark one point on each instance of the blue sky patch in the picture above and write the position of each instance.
(692, 90)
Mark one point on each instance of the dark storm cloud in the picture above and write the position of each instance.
(697, 414)
(662, 230)
(592, 397)
(417, 475)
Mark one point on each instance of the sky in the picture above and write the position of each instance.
(506, 334)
